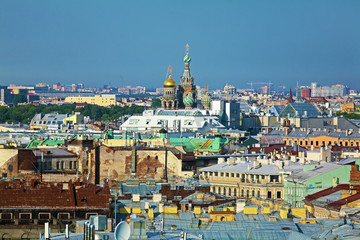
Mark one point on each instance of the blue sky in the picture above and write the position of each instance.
(235, 42)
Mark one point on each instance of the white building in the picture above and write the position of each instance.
(194, 120)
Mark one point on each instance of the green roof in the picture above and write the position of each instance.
(200, 144)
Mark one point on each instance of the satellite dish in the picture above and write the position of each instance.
(122, 231)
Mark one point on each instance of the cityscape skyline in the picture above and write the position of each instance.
(124, 44)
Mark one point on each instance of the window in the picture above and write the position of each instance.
(317, 143)
(258, 194)
(224, 191)
(262, 177)
(278, 194)
(70, 165)
(242, 192)
(253, 193)
(62, 165)
(232, 175)
(74, 164)
(269, 194)
(64, 216)
(148, 170)
(247, 193)
(235, 192)
(44, 216)
(58, 165)
(229, 191)
(156, 169)
(227, 174)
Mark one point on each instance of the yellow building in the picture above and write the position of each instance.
(245, 179)
(321, 137)
(349, 107)
(77, 118)
(105, 100)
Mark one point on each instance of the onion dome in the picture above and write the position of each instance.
(206, 100)
(189, 100)
(170, 83)
(187, 59)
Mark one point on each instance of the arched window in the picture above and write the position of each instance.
(62, 165)
(58, 165)
(70, 165)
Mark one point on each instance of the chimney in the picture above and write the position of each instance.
(287, 131)
(47, 231)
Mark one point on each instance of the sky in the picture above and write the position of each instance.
(133, 42)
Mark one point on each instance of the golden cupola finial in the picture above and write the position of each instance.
(170, 83)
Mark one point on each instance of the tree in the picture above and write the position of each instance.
(156, 103)
(19, 98)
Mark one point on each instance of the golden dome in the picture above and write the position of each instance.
(170, 83)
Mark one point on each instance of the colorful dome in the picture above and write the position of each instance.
(189, 100)
(170, 83)
(206, 100)
(187, 59)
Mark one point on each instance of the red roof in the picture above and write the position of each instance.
(54, 195)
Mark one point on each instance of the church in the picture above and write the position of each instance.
(180, 110)
(186, 95)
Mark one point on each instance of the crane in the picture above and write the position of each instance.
(262, 83)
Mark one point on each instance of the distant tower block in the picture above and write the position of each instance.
(187, 94)
(169, 100)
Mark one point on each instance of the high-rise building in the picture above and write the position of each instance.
(328, 91)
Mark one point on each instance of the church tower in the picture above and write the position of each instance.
(187, 94)
(169, 100)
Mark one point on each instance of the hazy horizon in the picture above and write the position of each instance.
(133, 43)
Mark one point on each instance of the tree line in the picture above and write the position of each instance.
(24, 113)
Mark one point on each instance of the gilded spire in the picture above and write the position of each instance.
(170, 70)
(187, 49)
